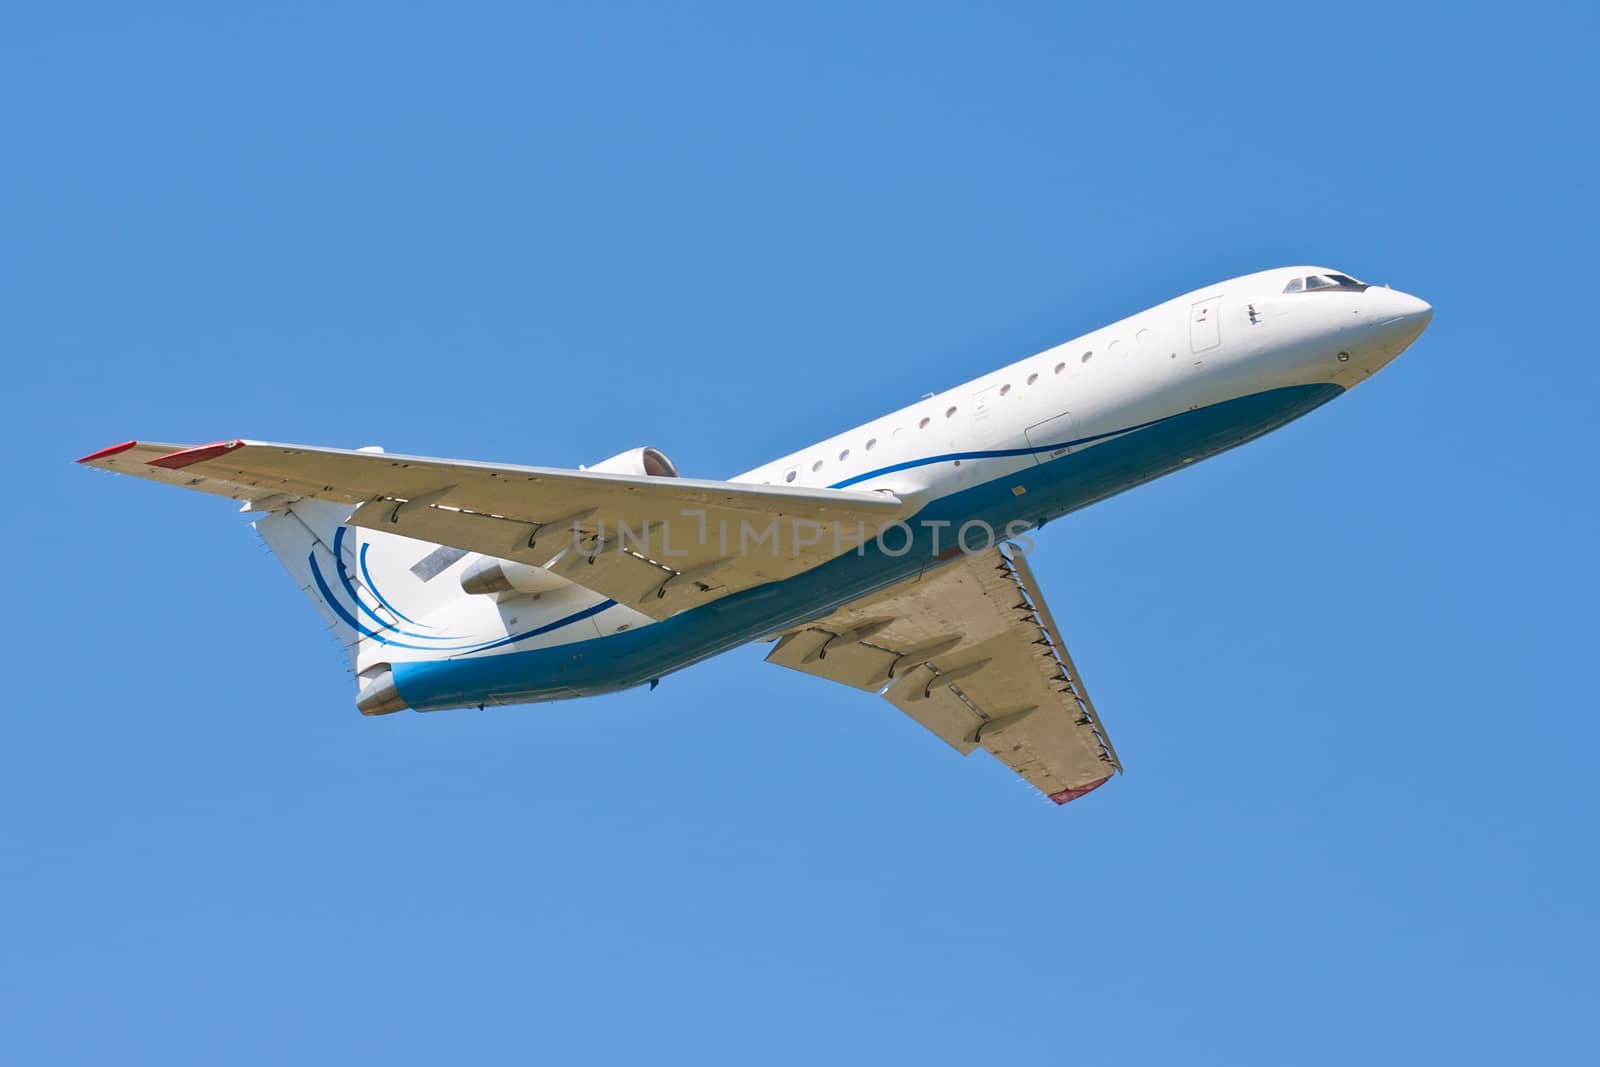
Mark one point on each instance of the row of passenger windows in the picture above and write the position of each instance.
(927, 420)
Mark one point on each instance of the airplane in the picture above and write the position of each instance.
(888, 558)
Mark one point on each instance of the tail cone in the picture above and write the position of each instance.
(380, 697)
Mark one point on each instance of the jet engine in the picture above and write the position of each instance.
(488, 575)
(647, 460)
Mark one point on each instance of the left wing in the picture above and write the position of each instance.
(657, 544)
(971, 652)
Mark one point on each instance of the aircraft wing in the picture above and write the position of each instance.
(970, 651)
(657, 544)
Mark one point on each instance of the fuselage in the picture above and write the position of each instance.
(994, 457)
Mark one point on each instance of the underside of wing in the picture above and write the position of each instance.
(971, 652)
(658, 544)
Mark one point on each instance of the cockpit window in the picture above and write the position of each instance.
(1325, 282)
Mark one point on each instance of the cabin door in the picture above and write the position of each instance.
(1205, 324)
(986, 421)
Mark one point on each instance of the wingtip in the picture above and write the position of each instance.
(104, 452)
(1075, 792)
(183, 457)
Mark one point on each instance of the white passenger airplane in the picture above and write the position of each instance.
(883, 558)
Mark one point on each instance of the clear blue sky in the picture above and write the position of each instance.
(1350, 668)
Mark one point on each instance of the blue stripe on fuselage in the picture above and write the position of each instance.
(1121, 461)
(992, 453)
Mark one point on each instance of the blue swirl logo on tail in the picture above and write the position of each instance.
(391, 633)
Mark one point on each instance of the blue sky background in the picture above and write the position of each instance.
(1350, 668)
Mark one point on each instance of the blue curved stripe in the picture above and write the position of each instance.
(536, 631)
(372, 587)
(344, 579)
(355, 624)
(995, 453)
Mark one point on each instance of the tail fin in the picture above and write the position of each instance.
(372, 589)
(302, 536)
(384, 597)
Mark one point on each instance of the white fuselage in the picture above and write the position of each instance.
(1020, 445)
(1145, 367)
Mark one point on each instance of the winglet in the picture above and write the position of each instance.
(104, 452)
(198, 454)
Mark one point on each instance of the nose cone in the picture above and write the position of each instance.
(1396, 318)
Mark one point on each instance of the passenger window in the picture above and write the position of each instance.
(872, 442)
(1060, 367)
(844, 455)
(949, 412)
(1087, 356)
(789, 477)
(923, 425)
(816, 466)
(1032, 378)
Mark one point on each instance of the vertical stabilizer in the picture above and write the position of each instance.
(381, 594)
(302, 535)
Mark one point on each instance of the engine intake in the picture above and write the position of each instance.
(646, 460)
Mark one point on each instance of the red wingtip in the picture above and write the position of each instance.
(1078, 791)
(198, 454)
(104, 452)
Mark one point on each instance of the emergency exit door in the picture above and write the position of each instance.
(1205, 324)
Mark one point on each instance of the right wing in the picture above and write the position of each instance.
(971, 652)
(657, 544)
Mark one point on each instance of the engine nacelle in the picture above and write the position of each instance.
(489, 575)
(647, 460)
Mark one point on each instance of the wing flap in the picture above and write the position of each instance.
(853, 663)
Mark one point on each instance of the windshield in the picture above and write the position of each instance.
(1324, 282)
